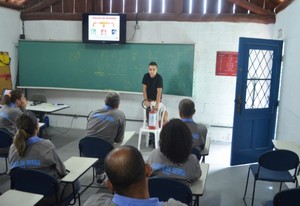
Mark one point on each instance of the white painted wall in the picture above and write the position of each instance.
(289, 109)
(10, 30)
(213, 95)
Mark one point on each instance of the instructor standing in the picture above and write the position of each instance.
(152, 86)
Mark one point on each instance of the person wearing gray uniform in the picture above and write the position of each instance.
(107, 123)
(127, 181)
(173, 159)
(31, 152)
(13, 104)
(199, 131)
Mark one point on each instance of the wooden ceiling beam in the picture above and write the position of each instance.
(282, 6)
(264, 19)
(11, 6)
(40, 6)
(51, 16)
(250, 6)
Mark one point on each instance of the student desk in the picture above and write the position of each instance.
(197, 187)
(205, 151)
(288, 145)
(127, 136)
(77, 166)
(45, 107)
(16, 198)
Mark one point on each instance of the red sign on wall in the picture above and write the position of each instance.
(226, 64)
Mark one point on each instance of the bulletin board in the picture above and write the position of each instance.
(226, 64)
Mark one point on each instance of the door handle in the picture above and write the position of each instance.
(238, 102)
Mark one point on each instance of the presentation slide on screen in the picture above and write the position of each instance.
(104, 28)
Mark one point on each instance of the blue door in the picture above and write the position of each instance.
(256, 98)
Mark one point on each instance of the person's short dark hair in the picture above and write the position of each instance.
(128, 169)
(112, 99)
(176, 141)
(152, 64)
(12, 97)
(187, 107)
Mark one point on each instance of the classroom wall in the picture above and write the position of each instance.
(289, 109)
(213, 95)
(10, 25)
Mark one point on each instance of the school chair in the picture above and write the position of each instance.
(38, 99)
(6, 140)
(159, 124)
(34, 181)
(273, 166)
(94, 147)
(196, 152)
(166, 188)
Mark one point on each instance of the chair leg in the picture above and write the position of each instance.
(147, 139)
(156, 138)
(139, 141)
(6, 167)
(254, 184)
(280, 186)
(246, 184)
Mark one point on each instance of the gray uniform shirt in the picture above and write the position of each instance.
(199, 132)
(106, 123)
(105, 199)
(8, 115)
(187, 172)
(40, 155)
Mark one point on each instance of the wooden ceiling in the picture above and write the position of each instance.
(259, 11)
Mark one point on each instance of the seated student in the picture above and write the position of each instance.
(28, 149)
(199, 131)
(127, 180)
(13, 105)
(108, 123)
(174, 159)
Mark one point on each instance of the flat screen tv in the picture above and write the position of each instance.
(104, 28)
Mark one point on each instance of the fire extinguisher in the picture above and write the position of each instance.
(152, 119)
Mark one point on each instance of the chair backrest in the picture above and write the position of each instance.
(279, 160)
(94, 147)
(161, 115)
(165, 188)
(290, 197)
(33, 181)
(196, 152)
(5, 139)
(38, 98)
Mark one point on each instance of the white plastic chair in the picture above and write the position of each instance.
(145, 128)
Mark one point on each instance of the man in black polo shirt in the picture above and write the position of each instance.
(152, 89)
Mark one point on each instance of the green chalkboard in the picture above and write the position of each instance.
(102, 67)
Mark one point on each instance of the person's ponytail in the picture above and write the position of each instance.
(20, 141)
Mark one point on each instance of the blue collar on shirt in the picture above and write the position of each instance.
(33, 140)
(107, 107)
(187, 120)
(12, 105)
(125, 201)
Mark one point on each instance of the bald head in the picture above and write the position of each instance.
(186, 108)
(124, 167)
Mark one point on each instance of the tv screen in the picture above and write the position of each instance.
(104, 28)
